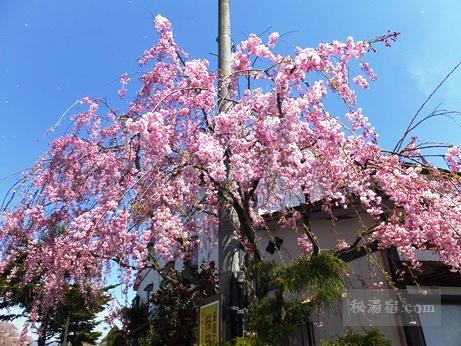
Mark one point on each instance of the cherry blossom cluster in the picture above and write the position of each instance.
(453, 158)
(127, 188)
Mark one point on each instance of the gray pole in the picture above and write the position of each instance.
(227, 246)
(224, 53)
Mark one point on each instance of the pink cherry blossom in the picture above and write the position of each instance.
(122, 188)
(304, 244)
(273, 38)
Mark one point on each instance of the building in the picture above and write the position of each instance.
(368, 271)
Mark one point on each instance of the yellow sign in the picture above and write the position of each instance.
(209, 324)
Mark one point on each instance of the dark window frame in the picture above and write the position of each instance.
(414, 335)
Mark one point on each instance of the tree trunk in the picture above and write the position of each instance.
(66, 332)
(41, 341)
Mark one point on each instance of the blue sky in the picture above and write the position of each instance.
(55, 52)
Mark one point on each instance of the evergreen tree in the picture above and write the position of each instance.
(76, 312)
(78, 315)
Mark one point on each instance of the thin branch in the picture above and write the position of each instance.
(361, 236)
(405, 134)
(306, 216)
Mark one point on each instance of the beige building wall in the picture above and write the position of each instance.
(364, 271)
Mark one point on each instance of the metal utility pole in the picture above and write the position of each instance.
(224, 53)
(228, 247)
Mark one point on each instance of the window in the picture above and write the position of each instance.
(449, 331)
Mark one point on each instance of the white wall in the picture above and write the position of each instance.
(364, 272)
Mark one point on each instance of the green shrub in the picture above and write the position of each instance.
(373, 337)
